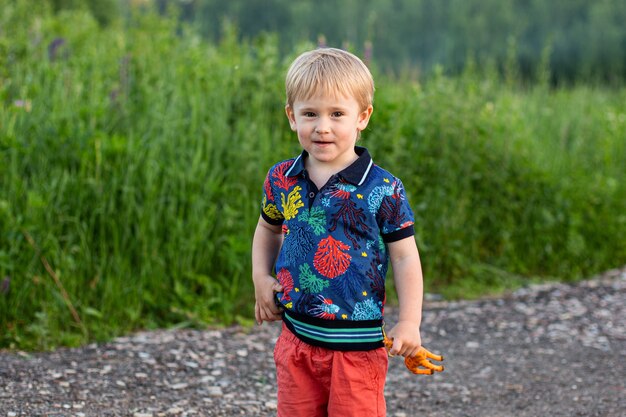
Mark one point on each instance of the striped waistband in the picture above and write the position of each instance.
(335, 334)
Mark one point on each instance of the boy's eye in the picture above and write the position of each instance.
(308, 114)
(337, 114)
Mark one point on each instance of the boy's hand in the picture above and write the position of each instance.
(265, 289)
(406, 339)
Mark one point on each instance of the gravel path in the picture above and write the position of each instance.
(550, 350)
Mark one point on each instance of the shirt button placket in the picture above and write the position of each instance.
(311, 198)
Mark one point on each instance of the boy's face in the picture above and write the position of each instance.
(328, 128)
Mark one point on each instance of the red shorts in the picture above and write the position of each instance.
(319, 382)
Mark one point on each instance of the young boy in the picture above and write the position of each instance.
(331, 220)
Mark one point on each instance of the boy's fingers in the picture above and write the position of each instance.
(271, 312)
(402, 349)
(395, 348)
(262, 314)
(257, 314)
(271, 316)
(277, 309)
(413, 352)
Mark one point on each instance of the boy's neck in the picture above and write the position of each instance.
(320, 172)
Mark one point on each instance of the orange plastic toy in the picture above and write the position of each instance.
(420, 364)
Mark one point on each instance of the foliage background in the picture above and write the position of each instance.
(585, 39)
(133, 146)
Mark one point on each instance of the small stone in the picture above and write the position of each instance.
(120, 383)
(271, 405)
(141, 375)
(180, 385)
(215, 391)
(515, 387)
(401, 395)
(256, 346)
(242, 353)
(472, 345)
(143, 415)
(484, 372)
(24, 354)
(83, 395)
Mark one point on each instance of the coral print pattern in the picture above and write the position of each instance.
(333, 260)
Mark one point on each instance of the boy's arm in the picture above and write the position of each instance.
(265, 246)
(407, 271)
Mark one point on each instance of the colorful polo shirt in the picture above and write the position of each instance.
(333, 261)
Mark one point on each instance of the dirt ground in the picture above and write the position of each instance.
(549, 350)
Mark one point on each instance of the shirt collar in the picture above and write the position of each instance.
(354, 174)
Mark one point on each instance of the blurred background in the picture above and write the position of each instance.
(135, 136)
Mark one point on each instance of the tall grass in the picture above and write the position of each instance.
(509, 184)
(132, 159)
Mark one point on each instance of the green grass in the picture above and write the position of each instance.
(508, 184)
(135, 160)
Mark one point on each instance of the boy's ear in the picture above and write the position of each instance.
(364, 117)
(291, 117)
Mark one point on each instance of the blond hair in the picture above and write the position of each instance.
(329, 72)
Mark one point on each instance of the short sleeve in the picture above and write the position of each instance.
(269, 209)
(395, 217)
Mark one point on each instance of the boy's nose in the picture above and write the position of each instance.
(322, 126)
